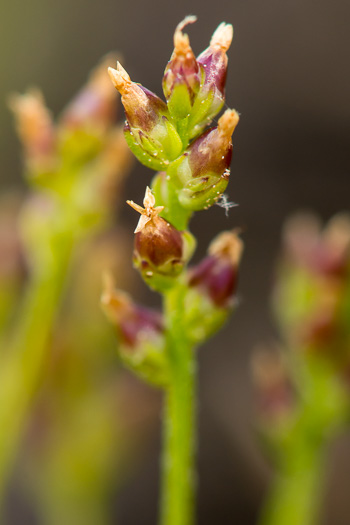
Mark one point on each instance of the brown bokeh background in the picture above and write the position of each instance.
(289, 77)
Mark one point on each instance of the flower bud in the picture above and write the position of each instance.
(140, 332)
(160, 250)
(181, 79)
(216, 275)
(201, 174)
(211, 96)
(212, 286)
(36, 131)
(149, 132)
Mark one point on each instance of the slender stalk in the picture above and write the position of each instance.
(24, 357)
(178, 483)
(296, 494)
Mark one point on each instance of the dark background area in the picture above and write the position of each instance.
(289, 78)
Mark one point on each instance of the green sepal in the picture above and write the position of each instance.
(203, 318)
(206, 106)
(142, 155)
(165, 194)
(169, 139)
(179, 103)
(201, 193)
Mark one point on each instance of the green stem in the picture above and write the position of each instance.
(24, 357)
(296, 494)
(178, 483)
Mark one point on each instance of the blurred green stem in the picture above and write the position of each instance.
(24, 357)
(296, 493)
(179, 418)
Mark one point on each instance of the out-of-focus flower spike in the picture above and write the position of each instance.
(140, 331)
(160, 250)
(202, 172)
(94, 107)
(211, 95)
(149, 131)
(181, 79)
(36, 131)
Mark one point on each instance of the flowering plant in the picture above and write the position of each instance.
(193, 165)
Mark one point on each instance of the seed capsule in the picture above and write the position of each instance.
(213, 64)
(216, 275)
(140, 332)
(149, 131)
(201, 174)
(181, 79)
(212, 286)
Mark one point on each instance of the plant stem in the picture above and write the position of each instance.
(296, 494)
(178, 483)
(24, 357)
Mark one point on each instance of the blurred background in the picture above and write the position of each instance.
(289, 78)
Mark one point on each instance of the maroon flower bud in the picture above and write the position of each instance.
(134, 323)
(213, 62)
(216, 275)
(202, 172)
(150, 134)
(182, 75)
(140, 331)
(94, 107)
(160, 250)
(36, 131)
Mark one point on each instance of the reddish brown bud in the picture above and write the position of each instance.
(149, 131)
(213, 64)
(214, 59)
(160, 248)
(182, 75)
(135, 324)
(202, 172)
(216, 275)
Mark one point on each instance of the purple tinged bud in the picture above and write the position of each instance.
(216, 275)
(202, 172)
(182, 69)
(148, 126)
(214, 59)
(213, 63)
(135, 324)
(142, 107)
(212, 152)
